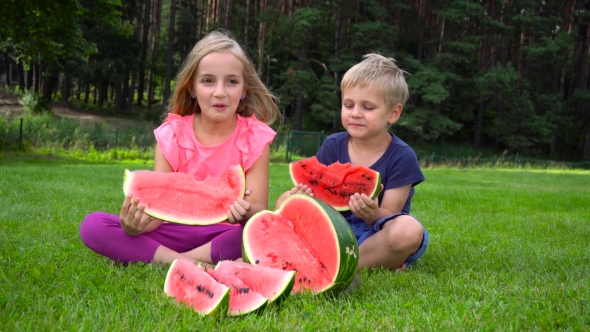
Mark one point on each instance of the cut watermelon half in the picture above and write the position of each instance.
(180, 198)
(307, 236)
(274, 284)
(192, 286)
(334, 184)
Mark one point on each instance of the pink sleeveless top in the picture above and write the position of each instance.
(185, 154)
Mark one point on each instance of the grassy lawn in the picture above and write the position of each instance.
(509, 250)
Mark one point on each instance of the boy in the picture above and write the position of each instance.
(373, 94)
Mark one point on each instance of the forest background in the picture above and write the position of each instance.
(505, 75)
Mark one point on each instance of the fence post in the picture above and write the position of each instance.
(20, 135)
(287, 157)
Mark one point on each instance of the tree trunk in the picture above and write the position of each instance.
(337, 48)
(499, 122)
(246, 25)
(143, 55)
(21, 76)
(49, 84)
(29, 79)
(103, 88)
(155, 34)
(586, 153)
(261, 38)
(582, 81)
(65, 89)
(131, 92)
(37, 69)
(478, 126)
(7, 69)
(86, 93)
(120, 98)
(168, 76)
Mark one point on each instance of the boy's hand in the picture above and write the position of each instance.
(301, 189)
(363, 206)
(238, 211)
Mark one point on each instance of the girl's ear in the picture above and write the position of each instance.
(395, 113)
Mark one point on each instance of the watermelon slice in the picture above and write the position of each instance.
(242, 299)
(307, 236)
(196, 289)
(334, 184)
(273, 284)
(180, 198)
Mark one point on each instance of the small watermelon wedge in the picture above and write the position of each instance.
(274, 284)
(242, 299)
(192, 286)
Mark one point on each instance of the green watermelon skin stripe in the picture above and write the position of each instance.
(349, 251)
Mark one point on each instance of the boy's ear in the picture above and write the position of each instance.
(395, 113)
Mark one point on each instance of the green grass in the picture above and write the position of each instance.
(509, 250)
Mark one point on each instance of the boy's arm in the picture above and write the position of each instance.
(370, 210)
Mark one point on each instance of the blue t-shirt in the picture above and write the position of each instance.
(398, 166)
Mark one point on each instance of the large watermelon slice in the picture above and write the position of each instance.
(307, 236)
(242, 299)
(334, 184)
(274, 284)
(180, 198)
(192, 286)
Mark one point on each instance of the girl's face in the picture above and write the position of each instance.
(218, 85)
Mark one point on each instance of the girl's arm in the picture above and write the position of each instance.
(370, 210)
(257, 186)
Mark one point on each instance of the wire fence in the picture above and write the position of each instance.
(33, 134)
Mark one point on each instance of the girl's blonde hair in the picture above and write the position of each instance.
(379, 72)
(258, 99)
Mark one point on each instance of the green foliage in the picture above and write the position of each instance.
(507, 252)
(33, 103)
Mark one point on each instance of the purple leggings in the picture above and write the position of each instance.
(102, 233)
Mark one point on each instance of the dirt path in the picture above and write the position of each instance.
(10, 106)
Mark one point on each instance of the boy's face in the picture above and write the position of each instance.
(365, 113)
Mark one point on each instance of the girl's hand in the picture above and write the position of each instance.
(132, 218)
(301, 189)
(238, 211)
(363, 206)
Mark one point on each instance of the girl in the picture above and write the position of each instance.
(218, 117)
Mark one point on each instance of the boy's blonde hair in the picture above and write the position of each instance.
(377, 71)
(258, 99)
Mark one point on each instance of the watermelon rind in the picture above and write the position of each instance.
(193, 220)
(374, 191)
(219, 308)
(347, 245)
(281, 292)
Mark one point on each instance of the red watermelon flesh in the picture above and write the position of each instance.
(192, 286)
(335, 183)
(274, 284)
(307, 236)
(180, 198)
(242, 299)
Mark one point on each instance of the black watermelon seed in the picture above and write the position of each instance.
(369, 178)
(256, 262)
(284, 267)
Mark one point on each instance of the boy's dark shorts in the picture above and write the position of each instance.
(362, 231)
